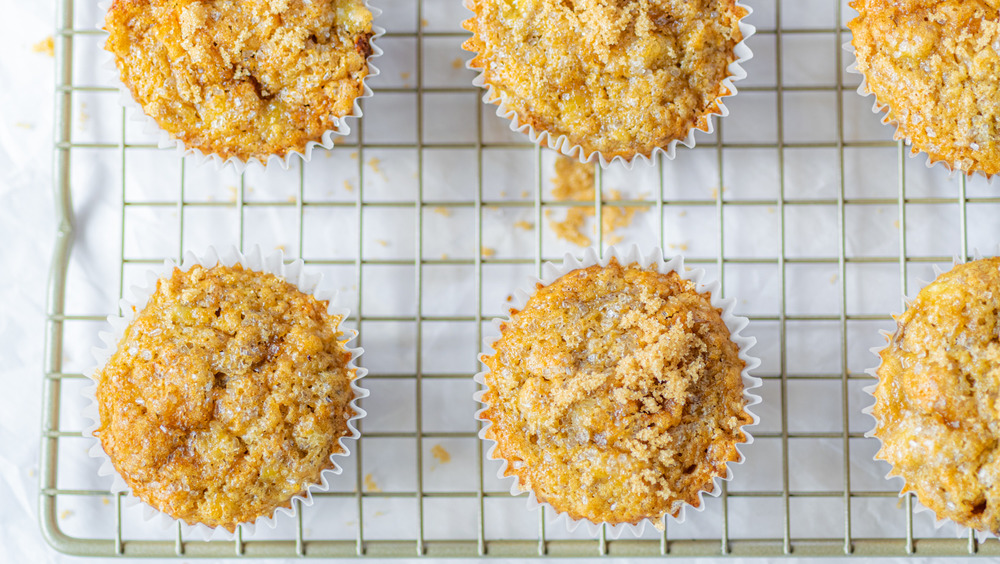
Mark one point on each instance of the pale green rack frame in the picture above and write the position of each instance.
(482, 545)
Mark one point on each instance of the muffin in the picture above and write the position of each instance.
(243, 80)
(933, 66)
(936, 408)
(616, 393)
(620, 79)
(226, 396)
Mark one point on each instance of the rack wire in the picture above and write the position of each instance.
(809, 518)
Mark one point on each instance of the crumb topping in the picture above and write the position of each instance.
(936, 63)
(622, 77)
(226, 396)
(242, 79)
(616, 394)
(938, 397)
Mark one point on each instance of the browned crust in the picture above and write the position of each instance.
(936, 407)
(262, 78)
(226, 396)
(644, 133)
(362, 43)
(616, 394)
(934, 65)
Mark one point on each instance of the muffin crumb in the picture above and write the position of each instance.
(441, 454)
(45, 47)
(575, 181)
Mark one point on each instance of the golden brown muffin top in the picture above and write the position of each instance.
(622, 77)
(244, 79)
(936, 65)
(226, 396)
(616, 394)
(936, 403)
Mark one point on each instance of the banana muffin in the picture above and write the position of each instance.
(226, 396)
(616, 394)
(621, 78)
(243, 79)
(936, 407)
(935, 66)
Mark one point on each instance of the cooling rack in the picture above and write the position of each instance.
(431, 210)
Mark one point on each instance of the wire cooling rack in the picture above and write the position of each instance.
(432, 210)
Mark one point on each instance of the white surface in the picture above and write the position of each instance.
(26, 228)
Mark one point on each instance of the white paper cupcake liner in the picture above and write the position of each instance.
(626, 256)
(960, 531)
(562, 143)
(136, 298)
(882, 110)
(165, 140)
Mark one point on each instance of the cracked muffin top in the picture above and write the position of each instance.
(936, 65)
(245, 79)
(226, 396)
(616, 394)
(937, 402)
(622, 77)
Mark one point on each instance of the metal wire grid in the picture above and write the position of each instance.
(483, 544)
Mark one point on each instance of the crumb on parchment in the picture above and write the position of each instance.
(936, 398)
(440, 454)
(574, 180)
(45, 46)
